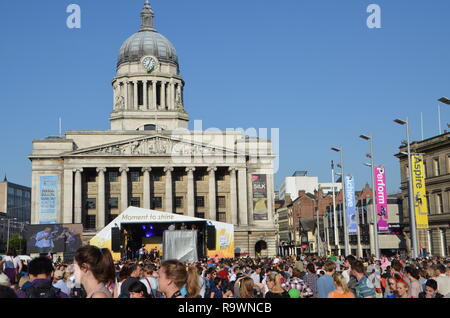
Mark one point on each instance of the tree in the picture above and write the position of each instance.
(17, 242)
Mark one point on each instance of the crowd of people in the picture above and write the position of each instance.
(94, 274)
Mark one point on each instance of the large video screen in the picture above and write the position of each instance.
(53, 238)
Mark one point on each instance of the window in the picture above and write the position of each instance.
(113, 176)
(178, 202)
(90, 177)
(425, 169)
(134, 176)
(200, 202)
(136, 202)
(156, 177)
(220, 177)
(448, 163)
(156, 203)
(113, 203)
(111, 217)
(177, 177)
(150, 127)
(221, 203)
(222, 217)
(437, 171)
(199, 176)
(200, 215)
(90, 222)
(91, 204)
(439, 204)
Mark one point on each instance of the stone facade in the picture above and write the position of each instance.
(151, 160)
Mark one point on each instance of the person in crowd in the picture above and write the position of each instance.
(7, 292)
(94, 269)
(172, 277)
(431, 290)
(194, 284)
(41, 270)
(12, 266)
(246, 287)
(256, 275)
(325, 284)
(275, 288)
(124, 273)
(135, 271)
(60, 281)
(342, 290)
(364, 288)
(442, 279)
(217, 288)
(392, 283)
(150, 280)
(403, 289)
(138, 290)
(295, 282)
(311, 279)
(413, 275)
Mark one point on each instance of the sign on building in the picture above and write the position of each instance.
(350, 205)
(420, 199)
(381, 204)
(48, 200)
(260, 208)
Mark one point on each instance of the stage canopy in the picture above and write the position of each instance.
(133, 215)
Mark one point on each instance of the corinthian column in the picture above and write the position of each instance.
(233, 195)
(190, 192)
(145, 88)
(146, 187)
(154, 101)
(135, 87)
(169, 195)
(101, 214)
(242, 194)
(78, 195)
(212, 193)
(163, 95)
(124, 188)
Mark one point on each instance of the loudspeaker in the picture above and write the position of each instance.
(115, 239)
(211, 237)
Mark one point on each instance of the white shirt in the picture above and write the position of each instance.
(443, 282)
(255, 277)
(44, 242)
(172, 227)
(11, 262)
(61, 284)
(153, 283)
(346, 275)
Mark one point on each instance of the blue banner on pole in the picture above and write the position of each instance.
(48, 200)
(350, 204)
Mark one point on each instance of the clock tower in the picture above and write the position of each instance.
(148, 88)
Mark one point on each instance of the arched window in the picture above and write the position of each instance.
(150, 127)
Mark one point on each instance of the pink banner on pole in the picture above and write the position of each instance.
(381, 199)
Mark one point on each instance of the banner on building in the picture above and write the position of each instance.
(48, 200)
(260, 207)
(350, 205)
(381, 204)
(420, 199)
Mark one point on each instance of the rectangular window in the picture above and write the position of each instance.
(220, 177)
(91, 177)
(200, 215)
(437, 171)
(200, 202)
(136, 202)
(90, 222)
(156, 203)
(222, 217)
(199, 176)
(134, 176)
(113, 176)
(439, 204)
(177, 177)
(113, 203)
(448, 163)
(156, 177)
(178, 202)
(221, 203)
(91, 204)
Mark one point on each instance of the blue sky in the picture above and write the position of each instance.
(313, 69)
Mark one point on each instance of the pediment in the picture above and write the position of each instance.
(154, 146)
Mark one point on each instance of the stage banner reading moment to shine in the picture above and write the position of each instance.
(48, 200)
(350, 205)
(420, 199)
(381, 199)
(259, 186)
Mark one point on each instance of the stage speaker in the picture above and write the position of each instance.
(115, 239)
(211, 237)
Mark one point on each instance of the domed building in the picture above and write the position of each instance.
(150, 159)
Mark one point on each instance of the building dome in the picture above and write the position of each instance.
(147, 42)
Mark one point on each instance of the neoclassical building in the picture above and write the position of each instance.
(150, 159)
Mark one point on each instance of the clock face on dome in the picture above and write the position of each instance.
(149, 63)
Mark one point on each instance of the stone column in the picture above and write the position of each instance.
(212, 193)
(190, 192)
(233, 195)
(155, 106)
(123, 188)
(169, 195)
(68, 197)
(242, 194)
(171, 94)
(146, 187)
(101, 213)
(78, 196)
(135, 87)
(144, 87)
(163, 95)
(250, 199)
(125, 94)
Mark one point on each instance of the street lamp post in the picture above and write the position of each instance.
(373, 225)
(346, 238)
(412, 215)
(7, 237)
(336, 233)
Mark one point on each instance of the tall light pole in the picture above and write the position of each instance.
(319, 241)
(7, 238)
(336, 233)
(346, 238)
(373, 225)
(412, 212)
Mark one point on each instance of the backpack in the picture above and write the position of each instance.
(42, 292)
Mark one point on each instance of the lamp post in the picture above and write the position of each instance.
(446, 101)
(412, 215)
(336, 233)
(375, 243)
(346, 238)
(7, 237)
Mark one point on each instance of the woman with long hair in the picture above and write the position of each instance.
(414, 276)
(172, 277)
(138, 290)
(246, 287)
(94, 269)
(403, 289)
(275, 288)
(123, 275)
(342, 290)
(193, 283)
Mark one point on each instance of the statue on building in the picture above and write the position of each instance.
(120, 103)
